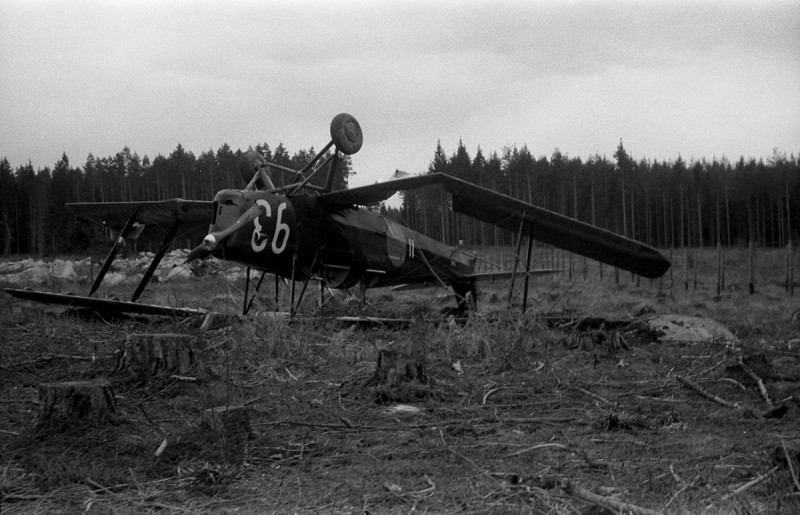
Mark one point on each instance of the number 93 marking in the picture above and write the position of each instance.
(281, 236)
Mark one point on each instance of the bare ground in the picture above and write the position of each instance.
(511, 416)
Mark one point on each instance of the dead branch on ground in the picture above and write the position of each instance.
(708, 395)
(620, 506)
(762, 388)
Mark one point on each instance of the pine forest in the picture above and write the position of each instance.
(667, 204)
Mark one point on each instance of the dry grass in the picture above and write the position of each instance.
(536, 417)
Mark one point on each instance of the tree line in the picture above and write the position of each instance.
(33, 219)
(668, 204)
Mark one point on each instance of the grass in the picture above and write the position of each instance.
(515, 417)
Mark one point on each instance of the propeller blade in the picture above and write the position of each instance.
(213, 239)
(199, 252)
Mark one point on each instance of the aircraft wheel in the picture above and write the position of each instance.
(346, 134)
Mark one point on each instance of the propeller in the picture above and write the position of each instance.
(213, 239)
(199, 252)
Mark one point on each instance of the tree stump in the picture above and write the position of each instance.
(399, 377)
(75, 404)
(227, 419)
(150, 355)
(229, 429)
(394, 368)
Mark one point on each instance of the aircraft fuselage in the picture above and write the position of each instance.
(296, 238)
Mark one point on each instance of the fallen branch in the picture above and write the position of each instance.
(48, 358)
(789, 461)
(524, 420)
(19, 497)
(708, 395)
(595, 396)
(678, 479)
(659, 399)
(253, 400)
(684, 484)
(758, 479)
(718, 364)
(98, 486)
(619, 506)
(733, 382)
(141, 408)
(468, 460)
(183, 378)
(401, 427)
(537, 447)
(757, 379)
(568, 448)
(676, 494)
(487, 394)
(172, 384)
(426, 492)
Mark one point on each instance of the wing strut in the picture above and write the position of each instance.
(113, 253)
(527, 264)
(291, 295)
(246, 305)
(305, 283)
(516, 258)
(156, 260)
(527, 270)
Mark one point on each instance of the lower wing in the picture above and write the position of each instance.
(161, 212)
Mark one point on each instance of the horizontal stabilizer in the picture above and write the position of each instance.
(512, 214)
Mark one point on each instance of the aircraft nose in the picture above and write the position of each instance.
(210, 242)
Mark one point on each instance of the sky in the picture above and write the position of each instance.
(698, 79)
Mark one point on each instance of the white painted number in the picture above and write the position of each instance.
(259, 240)
(280, 229)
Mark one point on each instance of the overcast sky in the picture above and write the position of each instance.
(697, 79)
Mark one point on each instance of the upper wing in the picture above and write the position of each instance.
(512, 214)
(162, 212)
(103, 305)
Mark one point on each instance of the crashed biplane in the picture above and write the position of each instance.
(302, 231)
